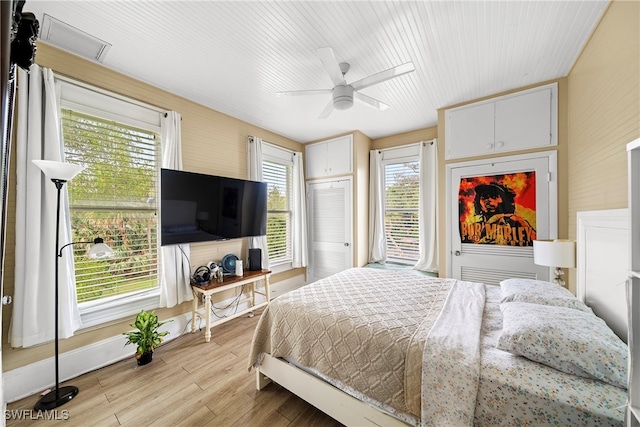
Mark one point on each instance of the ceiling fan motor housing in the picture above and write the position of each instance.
(342, 97)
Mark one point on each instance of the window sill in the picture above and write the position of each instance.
(97, 313)
(280, 268)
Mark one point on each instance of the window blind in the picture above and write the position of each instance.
(402, 182)
(279, 214)
(115, 198)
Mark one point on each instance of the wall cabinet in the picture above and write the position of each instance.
(514, 122)
(333, 157)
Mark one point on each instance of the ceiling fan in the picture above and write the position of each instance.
(342, 94)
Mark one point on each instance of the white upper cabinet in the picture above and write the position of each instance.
(518, 121)
(333, 157)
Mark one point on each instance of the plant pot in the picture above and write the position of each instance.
(145, 358)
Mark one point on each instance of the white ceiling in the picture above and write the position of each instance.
(233, 56)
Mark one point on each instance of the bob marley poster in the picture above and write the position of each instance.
(498, 209)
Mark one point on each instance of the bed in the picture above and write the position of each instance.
(377, 347)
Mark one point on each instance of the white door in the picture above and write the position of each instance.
(495, 209)
(330, 222)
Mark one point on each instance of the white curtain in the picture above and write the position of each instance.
(38, 136)
(377, 240)
(299, 228)
(175, 286)
(254, 167)
(428, 209)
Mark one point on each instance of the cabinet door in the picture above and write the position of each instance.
(339, 152)
(469, 131)
(523, 121)
(330, 158)
(316, 160)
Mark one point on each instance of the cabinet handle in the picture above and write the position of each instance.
(499, 144)
(489, 146)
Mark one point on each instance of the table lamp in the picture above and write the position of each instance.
(555, 253)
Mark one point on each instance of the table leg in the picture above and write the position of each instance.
(253, 294)
(267, 291)
(194, 310)
(207, 309)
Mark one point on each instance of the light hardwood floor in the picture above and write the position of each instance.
(188, 383)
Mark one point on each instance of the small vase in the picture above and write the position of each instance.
(145, 358)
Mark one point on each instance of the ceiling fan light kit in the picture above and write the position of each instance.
(342, 97)
(342, 93)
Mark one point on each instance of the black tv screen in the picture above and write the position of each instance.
(198, 208)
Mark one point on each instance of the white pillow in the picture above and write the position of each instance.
(568, 340)
(540, 292)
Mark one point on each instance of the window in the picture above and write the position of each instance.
(277, 172)
(115, 197)
(402, 180)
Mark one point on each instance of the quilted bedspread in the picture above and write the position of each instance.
(365, 328)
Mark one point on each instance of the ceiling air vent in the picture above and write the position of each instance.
(64, 36)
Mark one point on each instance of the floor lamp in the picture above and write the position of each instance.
(59, 173)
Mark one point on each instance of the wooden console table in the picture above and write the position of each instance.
(229, 282)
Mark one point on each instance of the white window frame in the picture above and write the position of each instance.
(274, 154)
(101, 103)
(404, 154)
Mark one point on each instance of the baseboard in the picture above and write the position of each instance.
(39, 376)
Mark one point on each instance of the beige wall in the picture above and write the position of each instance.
(212, 143)
(424, 134)
(604, 112)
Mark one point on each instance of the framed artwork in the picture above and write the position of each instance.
(498, 209)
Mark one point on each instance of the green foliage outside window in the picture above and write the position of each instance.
(115, 198)
(401, 211)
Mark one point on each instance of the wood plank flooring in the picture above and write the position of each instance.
(188, 383)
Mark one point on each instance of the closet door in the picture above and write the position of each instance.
(496, 208)
(330, 227)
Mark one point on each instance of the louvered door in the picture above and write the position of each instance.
(484, 249)
(330, 227)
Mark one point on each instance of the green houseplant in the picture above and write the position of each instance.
(146, 337)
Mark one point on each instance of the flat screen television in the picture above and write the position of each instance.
(198, 208)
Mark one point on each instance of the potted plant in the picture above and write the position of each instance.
(146, 337)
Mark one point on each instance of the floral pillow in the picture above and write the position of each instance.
(540, 292)
(568, 340)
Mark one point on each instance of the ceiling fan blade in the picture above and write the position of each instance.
(304, 92)
(383, 76)
(331, 65)
(370, 101)
(327, 110)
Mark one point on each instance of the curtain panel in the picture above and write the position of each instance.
(39, 136)
(377, 239)
(428, 210)
(254, 168)
(175, 280)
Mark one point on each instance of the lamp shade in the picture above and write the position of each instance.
(555, 253)
(99, 250)
(58, 170)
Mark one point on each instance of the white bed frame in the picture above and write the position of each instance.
(602, 254)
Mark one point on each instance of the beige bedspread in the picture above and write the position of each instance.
(371, 338)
